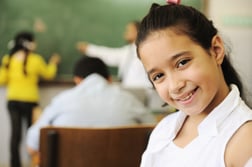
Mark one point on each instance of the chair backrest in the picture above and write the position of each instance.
(93, 147)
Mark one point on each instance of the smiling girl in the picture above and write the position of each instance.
(187, 63)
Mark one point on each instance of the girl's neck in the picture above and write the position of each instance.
(189, 130)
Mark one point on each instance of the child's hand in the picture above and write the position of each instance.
(55, 59)
(82, 46)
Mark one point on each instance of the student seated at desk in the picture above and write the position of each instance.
(93, 102)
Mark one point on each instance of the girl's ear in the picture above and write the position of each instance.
(218, 49)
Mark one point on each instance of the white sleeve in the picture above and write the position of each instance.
(111, 56)
(45, 119)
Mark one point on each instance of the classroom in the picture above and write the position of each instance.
(59, 25)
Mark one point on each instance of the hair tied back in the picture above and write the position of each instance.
(176, 2)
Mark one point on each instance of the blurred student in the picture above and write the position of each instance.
(130, 69)
(20, 71)
(94, 102)
(187, 63)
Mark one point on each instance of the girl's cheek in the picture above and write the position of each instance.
(163, 94)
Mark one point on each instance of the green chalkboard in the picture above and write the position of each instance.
(59, 24)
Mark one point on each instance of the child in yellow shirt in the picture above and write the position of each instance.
(20, 71)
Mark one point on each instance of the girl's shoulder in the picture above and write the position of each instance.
(239, 148)
(35, 55)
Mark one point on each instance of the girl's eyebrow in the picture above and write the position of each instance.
(174, 57)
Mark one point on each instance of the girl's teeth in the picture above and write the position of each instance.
(187, 97)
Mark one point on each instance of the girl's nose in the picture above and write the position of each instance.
(176, 85)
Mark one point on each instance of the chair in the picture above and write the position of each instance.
(93, 147)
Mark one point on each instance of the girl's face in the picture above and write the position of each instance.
(183, 73)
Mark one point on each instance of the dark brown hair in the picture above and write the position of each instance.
(20, 43)
(89, 65)
(191, 22)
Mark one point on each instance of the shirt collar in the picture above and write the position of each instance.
(210, 126)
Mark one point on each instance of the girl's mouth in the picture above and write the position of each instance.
(187, 98)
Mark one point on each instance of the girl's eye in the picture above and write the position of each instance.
(182, 63)
(157, 76)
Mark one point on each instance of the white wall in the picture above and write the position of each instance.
(234, 20)
(4, 130)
